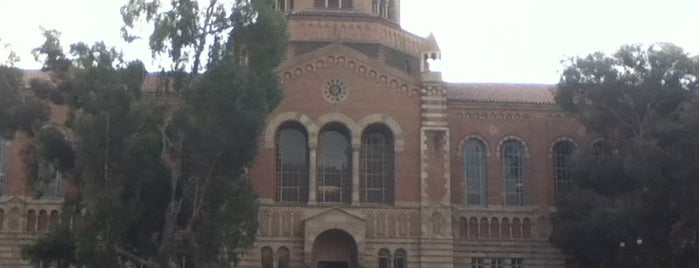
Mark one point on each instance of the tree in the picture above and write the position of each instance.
(633, 204)
(162, 181)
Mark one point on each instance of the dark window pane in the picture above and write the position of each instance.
(475, 175)
(401, 259)
(376, 169)
(562, 152)
(513, 173)
(334, 167)
(292, 165)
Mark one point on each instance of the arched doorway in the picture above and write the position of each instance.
(334, 249)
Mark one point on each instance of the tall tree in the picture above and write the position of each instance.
(633, 204)
(162, 180)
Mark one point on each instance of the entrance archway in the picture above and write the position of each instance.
(334, 249)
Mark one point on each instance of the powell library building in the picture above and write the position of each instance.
(373, 161)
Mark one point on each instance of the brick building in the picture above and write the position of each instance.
(371, 160)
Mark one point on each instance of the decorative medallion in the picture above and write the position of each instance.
(335, 91)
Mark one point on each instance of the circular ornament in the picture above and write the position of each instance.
(335, 91)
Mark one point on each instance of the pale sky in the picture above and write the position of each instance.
(520, 41)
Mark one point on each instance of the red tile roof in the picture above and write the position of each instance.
(502, 93)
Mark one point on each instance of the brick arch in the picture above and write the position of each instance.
(463, 141)
(513, 137)
(354, 128)
(560, 139)
(353, 63)
(274, 124)
(389, 122)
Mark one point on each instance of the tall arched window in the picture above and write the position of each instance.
(292, 163)
(401, 259)
(562, 152)
(43, 221)
(513, 172)
(377, 165)
(283, 257)
(266, 258)
(334, 165)
(475, 173)
(384, 258)
(4, 152)
(31, 221)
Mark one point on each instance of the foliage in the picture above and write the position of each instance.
(160, 180)
(644, 103)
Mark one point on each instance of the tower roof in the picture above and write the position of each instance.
(432, 42)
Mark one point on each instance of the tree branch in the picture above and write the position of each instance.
(201, 194)
(135, 258)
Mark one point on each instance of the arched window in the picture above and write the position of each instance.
(267, 258)
(400, 260)
(43, 221)
(53, 219)
(377, 165)
(484, 232)
(562, 152)
(283, 257)
(494, 228)
(31, 221)
(4, 152)
(13, 223)
(513, 173)
(516, 228)
(505, 228)
(475, 173)
(384, 258)
(292, 163)
(334, 165)
(473, 227)
(527, 228)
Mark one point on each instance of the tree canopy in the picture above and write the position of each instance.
(158, 174)
(635, 194)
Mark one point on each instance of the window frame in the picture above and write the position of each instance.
(513, 157)
(373, 155)
(384, 258)
(562, 153)
(302, 175)
(400, 258)
(266, 257)
(325, 174)
(481, 157)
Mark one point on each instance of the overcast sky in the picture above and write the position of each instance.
(482, 41)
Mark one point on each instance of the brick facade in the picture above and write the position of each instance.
(389, 83)
(385, 72)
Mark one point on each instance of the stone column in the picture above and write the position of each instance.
(312, 174)
(355, 175)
